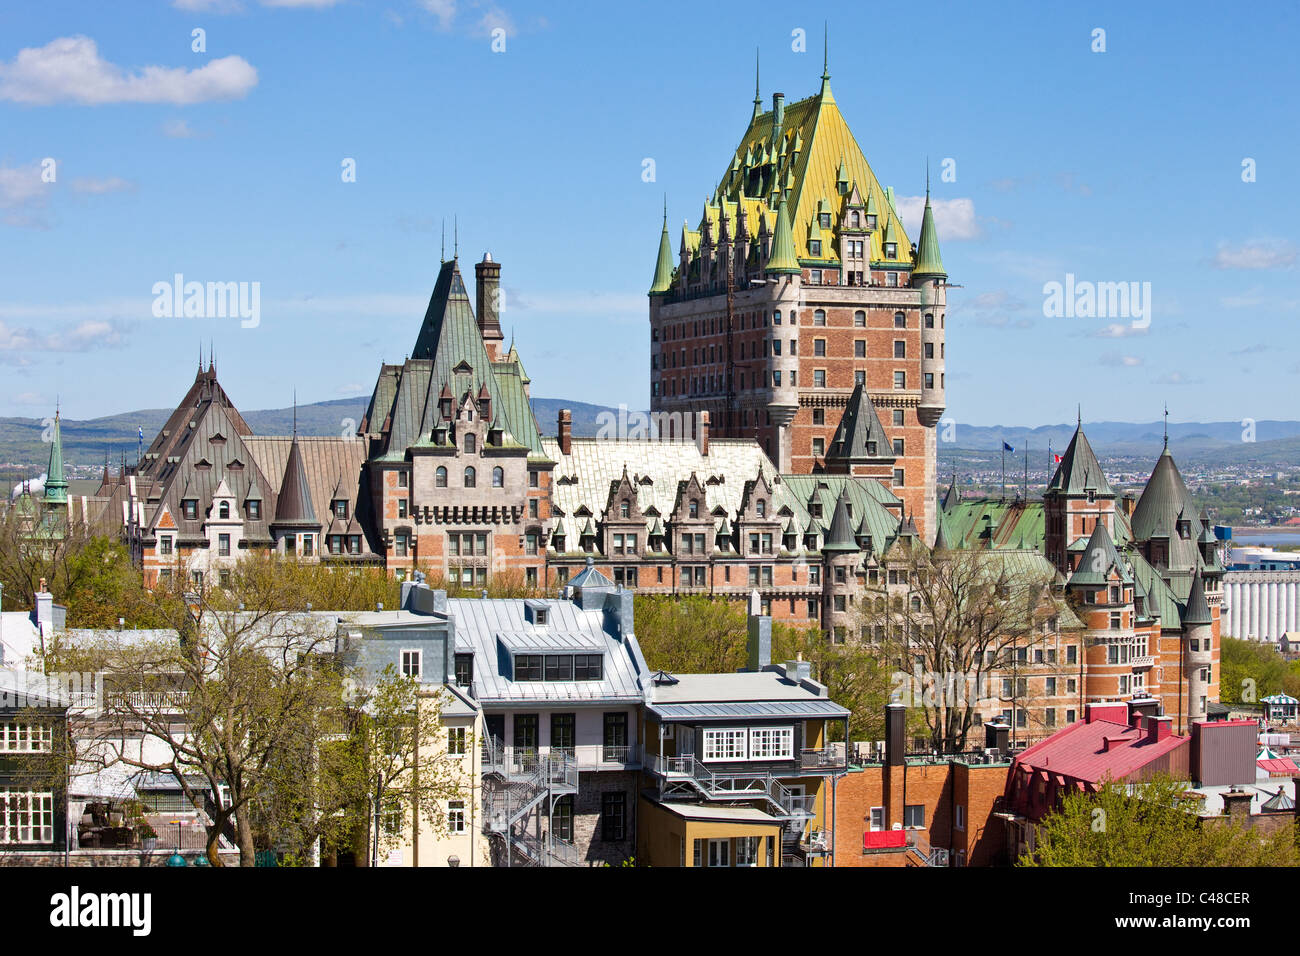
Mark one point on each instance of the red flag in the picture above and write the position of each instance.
(1056, 459)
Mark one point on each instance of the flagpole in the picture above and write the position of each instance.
(1002, 488)
(1026, 470)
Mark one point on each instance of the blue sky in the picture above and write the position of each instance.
(225, 165)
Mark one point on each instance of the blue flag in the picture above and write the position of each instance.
(142, 433)
(1006, 447)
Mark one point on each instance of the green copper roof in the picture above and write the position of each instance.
(840, 536)
(783, 258)
(1079, 471)
(56, 486)
(1098, 560)
(1198, 609)
(928, 260)
(663, 277)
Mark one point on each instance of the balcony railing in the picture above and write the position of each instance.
(1145, 661)
(515, 762)
(828, 759)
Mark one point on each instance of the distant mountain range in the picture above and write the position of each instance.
(87, 442)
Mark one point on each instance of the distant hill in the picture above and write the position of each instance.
(85, 442)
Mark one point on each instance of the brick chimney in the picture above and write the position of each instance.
(895, 730)
(1236, 804)
(702, 426)
(487, 275)
(1126, 504)
(1158, 728)
(564, 428)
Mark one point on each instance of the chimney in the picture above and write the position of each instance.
(1158, 728)
(1140, 708)
(488, 305)
(760, 635)
(778, 112)
(1236, 804)
(1109, 743)
(1114, 711)
(997, 735)
(1126, 505)
(564, 428)
(44, 611)
(895, 727)
(702, 427)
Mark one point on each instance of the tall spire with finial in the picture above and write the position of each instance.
(442, 254)
(826, 66)
(758, 97)
(1166, 426)
(663, 277)
(295, 413)
(455, 237)
(1079, 416)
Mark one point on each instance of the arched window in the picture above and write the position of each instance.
(762, 508)
(819, 317)
(224, 510)
(440, 477)
(860, 319)
(854, 219)
(470, 477)
(695, 508)
(498, 477)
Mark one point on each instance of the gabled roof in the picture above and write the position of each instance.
(860, 435)
(1079, 471)
(1080, 751)
(1099, 559)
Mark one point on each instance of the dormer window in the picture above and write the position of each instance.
(854, 221)
(814, 247)
(190, 508)
(254, 511)
(341, 509)
(824, 220)
(223, 510)
(761, 507)
(625, 509)
(694, 509)
(471, 443)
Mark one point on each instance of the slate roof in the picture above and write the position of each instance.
(1198, 609)
(1165, 500)
(860, 436)
(1079, 470)
(293, 505)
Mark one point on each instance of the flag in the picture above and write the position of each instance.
(1006, 447)
(1056, 459)
(142, 433)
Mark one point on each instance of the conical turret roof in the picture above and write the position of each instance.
(1099, 557)
(783, 259)
(1198, 608)
(840, 536)
(293, 505)
(663, 277)
(56, 486)
(928, 260)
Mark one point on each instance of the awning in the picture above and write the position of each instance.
(1279, 767)
(751, 709)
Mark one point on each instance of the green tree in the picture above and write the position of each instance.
(1155, 825)
(1250, 670)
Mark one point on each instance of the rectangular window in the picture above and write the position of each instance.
(25, 738)
(165, 545)
(559, 667)
(747, 851)
(960, 817)
(819, 347)
(819, 377)
(26, 816)
(719, 853)
(455, 740)
(456, 816)
(588, 667)
(900, 379)
(411, 663)
(464, 669)
(899, 478)
(223, 545)
(528, 667)
(613, 816)
(771, 743)
(914, 816)
(562, 732)
(900, 348)
(726, 743)
(877, 819)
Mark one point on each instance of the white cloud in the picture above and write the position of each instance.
(179, 129)
(954, 218)
(1256, 254)
(70, 70)
(22, 196)
(97, 187)
(208, 6)
(1120, 361)
(1117, 331)
(82, 337)
(313, 4)
(443, 10)
(30, 398)
(1177, 378)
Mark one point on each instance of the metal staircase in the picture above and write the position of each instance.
(520, 788)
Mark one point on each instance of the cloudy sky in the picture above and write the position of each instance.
(135, 149)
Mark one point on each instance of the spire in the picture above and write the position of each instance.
(442, 254)
(1166, 426)
(825, 93)
(859, 436)
(455, 237)
(1198, 608)
(293, 503)
(663, 277)
(840, 535)
(928, 260)
(758, 99)
(56, 486)
(1079, 470)
(782, 259)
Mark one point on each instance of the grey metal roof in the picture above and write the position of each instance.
(479, 621)
(540, 640)
(1079, 470)
(749, 710)
(860, 436)
(293, 503)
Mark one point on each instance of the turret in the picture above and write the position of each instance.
(56, 486)
(928, 275)
(662, 282)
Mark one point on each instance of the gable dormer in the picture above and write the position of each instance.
(691, 504)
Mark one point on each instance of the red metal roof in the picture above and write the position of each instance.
(1279, 767)
(1079, 751)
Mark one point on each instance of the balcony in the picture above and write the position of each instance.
(519, 762)
(1145, 661)
(832, 758)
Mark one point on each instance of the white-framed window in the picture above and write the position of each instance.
(455, 740)
(26, 816)
(771, 743)
(914, 816)
(411, 659)
(456, 816)
(747, 851)
(23, 738)
(877, 819)
(726, 743)
(719, 853)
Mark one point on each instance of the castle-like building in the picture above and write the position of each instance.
(802, 336)
(798, 286)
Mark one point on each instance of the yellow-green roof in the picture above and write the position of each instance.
(808, 175)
